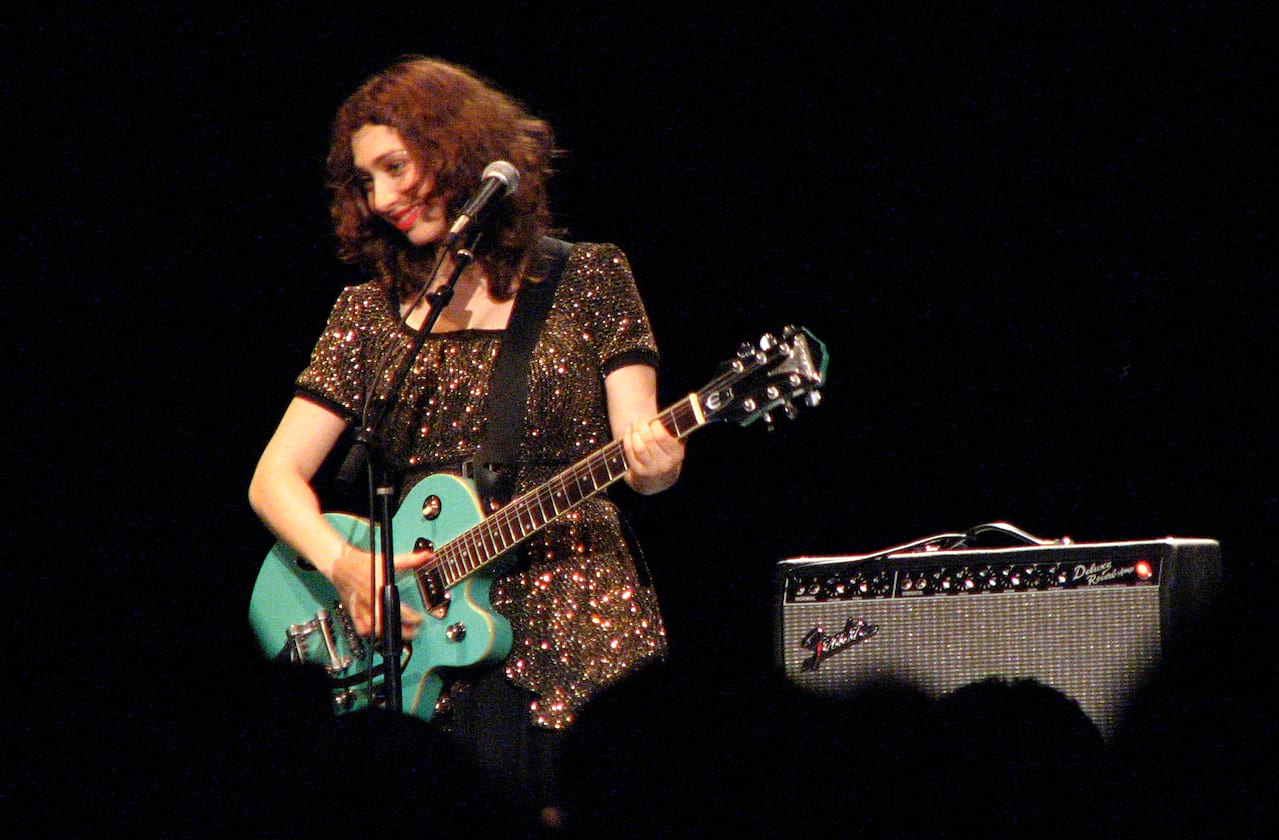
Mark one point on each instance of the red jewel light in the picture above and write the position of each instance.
(1144, 569)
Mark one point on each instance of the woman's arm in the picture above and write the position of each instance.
(283, 499)
(652, 453)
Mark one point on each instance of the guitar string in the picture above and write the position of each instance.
(448, 553)
(569, 478)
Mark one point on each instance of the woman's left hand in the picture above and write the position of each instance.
(654, 456)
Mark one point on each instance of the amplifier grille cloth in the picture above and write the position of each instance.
(1098, 646)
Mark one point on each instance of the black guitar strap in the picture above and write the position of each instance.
(493, 465)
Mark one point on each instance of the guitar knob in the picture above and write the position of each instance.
(455, 632)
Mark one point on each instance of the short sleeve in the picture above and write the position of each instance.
(612, 312)
(336, 375)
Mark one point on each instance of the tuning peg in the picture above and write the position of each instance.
(767, 341)
(768, 421)
(745, 350)
(789, 331)
(813, 399)
(790, 410)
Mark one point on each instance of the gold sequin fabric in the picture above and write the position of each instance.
(581, 616)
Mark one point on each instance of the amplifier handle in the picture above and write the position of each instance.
(1009, 530)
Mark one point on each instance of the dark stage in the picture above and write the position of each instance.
(1038, 245)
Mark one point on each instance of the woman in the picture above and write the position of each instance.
(408, 149)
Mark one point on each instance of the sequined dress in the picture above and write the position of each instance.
(582, 616)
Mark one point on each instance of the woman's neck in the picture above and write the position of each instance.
(471, 305)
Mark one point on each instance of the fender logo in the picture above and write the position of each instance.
(823, 647)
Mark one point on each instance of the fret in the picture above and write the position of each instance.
(573, 489)
(599, 472)
(615, 463)
(486, 540)
(498, 535)
(559, 498)
(473, 551)
(542, 497)
(512, 523)
(449, 562)
(681, 422)
(685, 417)
(524, 518)
(500, 532)
(536, 516)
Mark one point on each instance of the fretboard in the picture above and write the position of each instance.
(525, 515)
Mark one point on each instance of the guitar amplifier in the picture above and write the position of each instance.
(1090, 620)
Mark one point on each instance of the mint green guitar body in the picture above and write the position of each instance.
(462, 632)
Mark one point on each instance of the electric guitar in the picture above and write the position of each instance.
(296, 614)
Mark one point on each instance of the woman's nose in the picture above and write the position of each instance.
(382, 196)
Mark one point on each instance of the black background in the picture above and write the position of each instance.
(1038, 244)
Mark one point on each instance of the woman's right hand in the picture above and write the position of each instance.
(282, 496)
(350, 577)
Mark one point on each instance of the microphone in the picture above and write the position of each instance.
(499, 177)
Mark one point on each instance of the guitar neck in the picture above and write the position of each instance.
(525, 515)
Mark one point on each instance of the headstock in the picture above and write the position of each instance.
(772, 373)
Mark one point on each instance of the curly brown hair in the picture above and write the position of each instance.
(454, 124)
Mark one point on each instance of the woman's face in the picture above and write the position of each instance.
(388, 174)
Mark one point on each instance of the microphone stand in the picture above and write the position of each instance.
(382, 488)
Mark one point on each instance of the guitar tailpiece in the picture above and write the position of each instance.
(299, 651)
